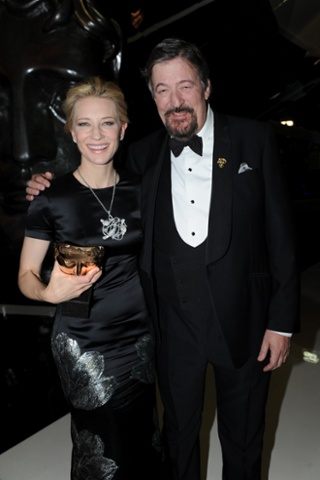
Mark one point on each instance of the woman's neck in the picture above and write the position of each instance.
(97, 176)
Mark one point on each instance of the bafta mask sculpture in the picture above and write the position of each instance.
(45, 47)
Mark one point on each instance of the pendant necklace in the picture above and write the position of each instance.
(112, 227)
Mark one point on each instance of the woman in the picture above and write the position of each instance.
(101, 343)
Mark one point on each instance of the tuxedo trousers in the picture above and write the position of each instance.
(189, 344)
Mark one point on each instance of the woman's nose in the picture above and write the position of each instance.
(97, 133)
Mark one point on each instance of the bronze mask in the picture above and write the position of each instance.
(77, 260)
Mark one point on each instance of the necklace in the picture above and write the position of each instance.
(112, 227)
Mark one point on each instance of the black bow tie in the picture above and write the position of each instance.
(195, 143)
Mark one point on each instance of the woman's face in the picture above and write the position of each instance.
(34, 77)
(97, 129)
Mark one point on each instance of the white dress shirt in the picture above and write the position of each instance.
(191, 187)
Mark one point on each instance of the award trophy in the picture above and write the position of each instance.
(77, 260)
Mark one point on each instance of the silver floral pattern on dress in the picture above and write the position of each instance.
(144, 371)
(88, 462)
(81, 375)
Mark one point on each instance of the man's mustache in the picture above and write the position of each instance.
(179, 110)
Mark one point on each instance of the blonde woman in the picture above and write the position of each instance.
(101, 338)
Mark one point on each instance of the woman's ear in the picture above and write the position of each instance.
(73, 136)
(123, 129)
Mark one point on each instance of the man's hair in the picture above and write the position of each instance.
(99, 88)
(171, 48)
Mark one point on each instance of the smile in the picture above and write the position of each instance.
(98, 147)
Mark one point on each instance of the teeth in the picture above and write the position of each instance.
(97, 147)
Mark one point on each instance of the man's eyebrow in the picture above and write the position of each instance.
(162, 84)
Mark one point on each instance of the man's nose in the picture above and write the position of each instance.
(176, 99)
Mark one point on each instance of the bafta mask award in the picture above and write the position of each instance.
(78, 260)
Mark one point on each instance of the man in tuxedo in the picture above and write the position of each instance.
(219, 262)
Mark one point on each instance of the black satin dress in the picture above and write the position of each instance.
(105, 362)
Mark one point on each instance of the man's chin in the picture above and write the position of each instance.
(178, 130)
(182, 130)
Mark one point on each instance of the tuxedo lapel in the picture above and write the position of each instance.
(222, 191)
(160, 149)
(221, 198)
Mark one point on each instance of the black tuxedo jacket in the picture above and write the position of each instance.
(251, 257)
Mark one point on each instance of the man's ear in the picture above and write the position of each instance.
(207, 91)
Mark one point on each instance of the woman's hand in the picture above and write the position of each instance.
(63, 287)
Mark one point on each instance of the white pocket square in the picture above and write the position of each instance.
(244, 167)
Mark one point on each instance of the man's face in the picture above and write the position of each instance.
(180, 97)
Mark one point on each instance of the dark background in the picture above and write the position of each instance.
(264, 61)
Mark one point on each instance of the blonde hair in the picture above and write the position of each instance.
(95, 87)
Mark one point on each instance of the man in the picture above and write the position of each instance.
(218, 265)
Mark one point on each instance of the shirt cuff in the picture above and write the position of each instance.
(285, 334)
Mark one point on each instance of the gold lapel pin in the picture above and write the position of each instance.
(221, 162)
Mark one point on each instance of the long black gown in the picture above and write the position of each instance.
(105, 362)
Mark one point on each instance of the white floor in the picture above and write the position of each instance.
(292, 440)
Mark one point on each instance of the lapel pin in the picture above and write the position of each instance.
(221, 162)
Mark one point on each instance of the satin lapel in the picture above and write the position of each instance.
(149, 192)
(222, 191)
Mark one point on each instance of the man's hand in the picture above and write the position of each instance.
(279, 347)
(38, 183)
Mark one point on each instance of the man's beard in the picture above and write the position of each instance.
(179, 128)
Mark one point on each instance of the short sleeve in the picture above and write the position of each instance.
(39, 222)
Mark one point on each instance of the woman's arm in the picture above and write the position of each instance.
(32, 255)
(61, 287)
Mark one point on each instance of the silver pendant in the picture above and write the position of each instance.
(113, 227)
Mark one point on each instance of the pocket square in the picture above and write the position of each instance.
(244, 167)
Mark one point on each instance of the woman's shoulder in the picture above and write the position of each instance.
(61, 184)
(63, 179)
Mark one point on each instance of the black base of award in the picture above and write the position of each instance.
(78, 307)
